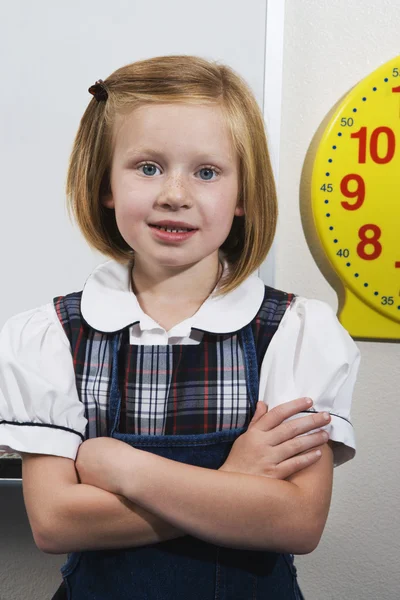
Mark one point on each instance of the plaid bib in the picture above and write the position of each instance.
(176, 389)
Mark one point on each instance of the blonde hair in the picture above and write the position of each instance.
(176, 79)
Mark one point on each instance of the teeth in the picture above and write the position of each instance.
(170, 230)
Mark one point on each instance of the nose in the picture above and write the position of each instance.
(174, 194)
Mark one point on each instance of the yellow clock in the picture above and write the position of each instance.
(356, 202)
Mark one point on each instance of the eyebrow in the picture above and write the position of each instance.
(132, 152)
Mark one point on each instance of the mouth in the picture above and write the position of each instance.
(172, 229)
(170, 234)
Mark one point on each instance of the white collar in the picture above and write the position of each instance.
(108, 303)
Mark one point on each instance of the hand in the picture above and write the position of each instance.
(270, 447)
(101, 462)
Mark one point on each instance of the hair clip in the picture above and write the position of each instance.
(99, 90)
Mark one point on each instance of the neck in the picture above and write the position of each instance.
(189, 285)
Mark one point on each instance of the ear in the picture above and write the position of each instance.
(105, 193)
(239, 211)
(108, 201)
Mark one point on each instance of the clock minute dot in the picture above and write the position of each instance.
(365, 284)
(328, 214)
(326, 201)
(330, 160)
(335, 241)
(333, 147)
(348, 264)
(330, 228)
(354, 110)
(364, 99)
(356, 275)
(339, 134)
(374, 89)
(327, 174)
(376, 293)
(386, 79)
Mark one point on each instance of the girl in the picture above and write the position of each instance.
(133, 402)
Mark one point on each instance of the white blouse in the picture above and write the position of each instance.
(311, 354)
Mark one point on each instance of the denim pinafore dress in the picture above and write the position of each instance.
(186, 567)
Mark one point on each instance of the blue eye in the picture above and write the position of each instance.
(151, 166)
(210, 170)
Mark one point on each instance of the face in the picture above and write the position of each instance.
(177, 163)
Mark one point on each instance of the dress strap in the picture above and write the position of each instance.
(250, 361)
(114, 406)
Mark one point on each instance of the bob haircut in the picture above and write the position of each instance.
(176, 79)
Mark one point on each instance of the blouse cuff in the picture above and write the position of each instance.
(341, 432)
(54, 440)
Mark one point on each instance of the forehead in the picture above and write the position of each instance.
(171, 127)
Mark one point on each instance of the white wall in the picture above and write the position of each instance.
(329, 47)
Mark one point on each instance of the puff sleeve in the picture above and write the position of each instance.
(40, 411)
(312, 355)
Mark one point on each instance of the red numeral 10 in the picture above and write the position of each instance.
(361, 135)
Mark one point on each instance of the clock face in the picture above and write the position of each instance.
(356, 190)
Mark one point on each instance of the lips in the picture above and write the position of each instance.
(173, 225)
(171, 236)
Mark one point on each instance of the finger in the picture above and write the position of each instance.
(293, 465)
(260, 411)
(293, 428)
(283, 411)
(300, 444)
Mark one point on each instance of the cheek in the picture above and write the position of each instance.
(131, 203)
(220, 212)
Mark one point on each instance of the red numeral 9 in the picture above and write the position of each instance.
(358, 193)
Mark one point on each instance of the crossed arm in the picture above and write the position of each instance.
(230, 509)
(128, 497)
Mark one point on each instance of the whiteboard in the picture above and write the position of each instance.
(52, 52)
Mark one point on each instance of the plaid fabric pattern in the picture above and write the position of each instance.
(172, 389)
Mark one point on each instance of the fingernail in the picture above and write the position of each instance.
(326, 416)
(309, 401)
